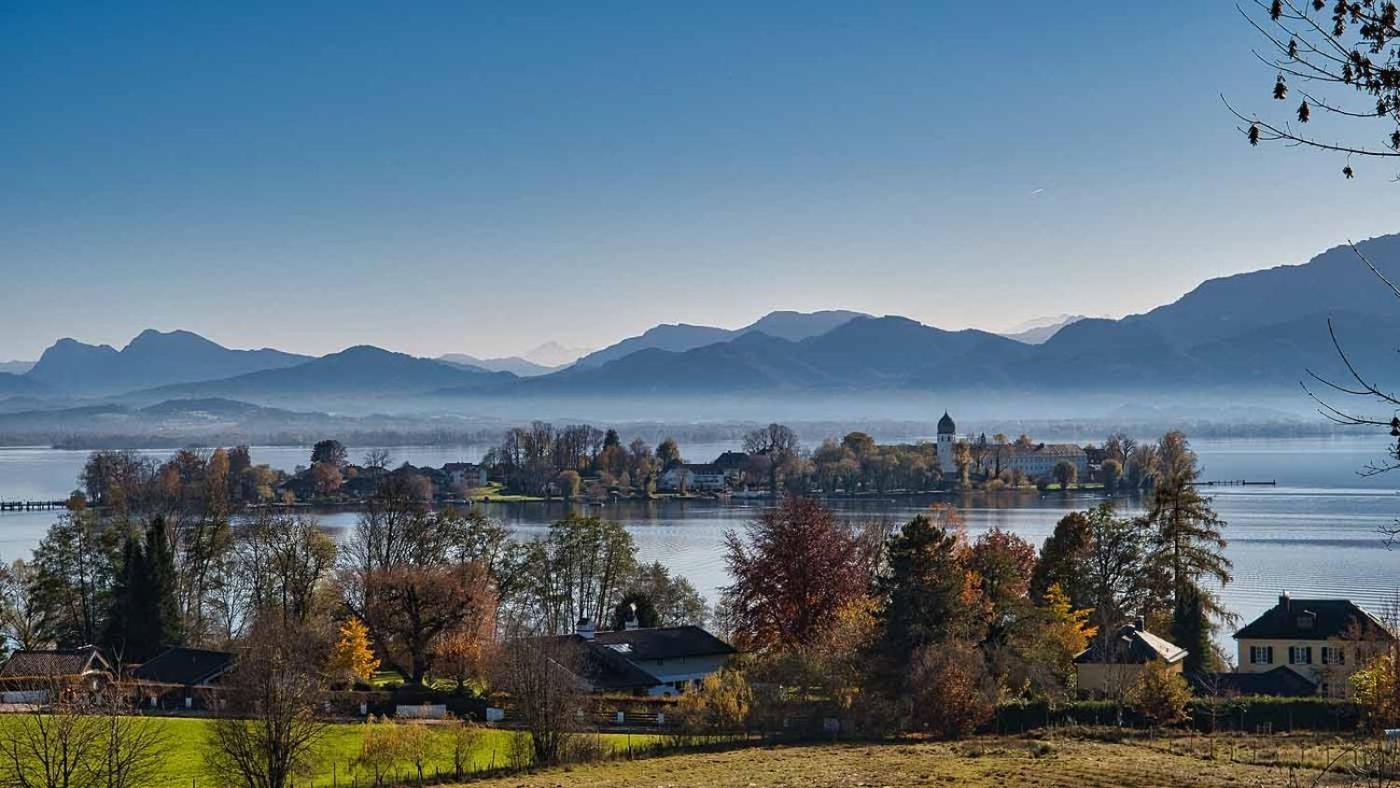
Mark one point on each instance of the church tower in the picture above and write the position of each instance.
(947, 437)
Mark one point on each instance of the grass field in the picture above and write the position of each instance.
(183, 763)
(1069, 762)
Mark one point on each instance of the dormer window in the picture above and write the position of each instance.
(1306, 620)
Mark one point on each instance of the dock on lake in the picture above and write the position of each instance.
(1238, 483)
(31, 506)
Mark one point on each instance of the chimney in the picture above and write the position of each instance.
(1284, 602)
(1140, 624)
(631, 622)
(585, 628)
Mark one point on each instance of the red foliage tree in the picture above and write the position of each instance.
(794, 570)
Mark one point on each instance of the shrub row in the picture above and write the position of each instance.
(1238, 714)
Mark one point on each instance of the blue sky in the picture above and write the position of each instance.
(474, 177)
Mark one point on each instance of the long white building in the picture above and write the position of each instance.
(1035, 460)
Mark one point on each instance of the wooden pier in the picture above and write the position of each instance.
(31, 506)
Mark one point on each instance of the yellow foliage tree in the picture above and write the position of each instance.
(353, 658)
(1159, 695)
(1377, 690)
(1063, 633)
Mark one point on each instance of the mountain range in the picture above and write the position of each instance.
(1255, 332)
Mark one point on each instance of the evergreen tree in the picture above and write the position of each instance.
(162, 590)
(145, 615)
(639, 603)
(1186, 540)
(925, 588)
(124, 613)
(1191, 629)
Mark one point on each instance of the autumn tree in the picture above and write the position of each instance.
(779, 445)
(267, 731)
(74, 570)
(1002, 563)
(1060, 633)
(794, 568)
(329, 452)
(1065, 474)
(668, 453)
(353, 658)
(24, 612)
(1159, 695)
(1062, 560)
(412, 576)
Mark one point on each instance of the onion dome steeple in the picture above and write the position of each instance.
(946, 426)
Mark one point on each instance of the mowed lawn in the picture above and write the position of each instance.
(183, 763)
(983, 761)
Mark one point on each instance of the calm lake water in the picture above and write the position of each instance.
(1315, 534)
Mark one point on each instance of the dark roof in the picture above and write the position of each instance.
(188, 666)
(56, 662)
(945, 425)
(664, 643)
(604, 669)
(1131, 646)
(700, 467)
(1281, 681)
(732, 460)
(1315, 619)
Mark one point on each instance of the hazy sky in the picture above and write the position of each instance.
(480, 178)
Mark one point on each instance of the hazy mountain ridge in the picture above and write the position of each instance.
(680, 337)
(515, 365)
(151, 359)
(1259, 331)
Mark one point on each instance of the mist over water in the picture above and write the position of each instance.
(1316, 534)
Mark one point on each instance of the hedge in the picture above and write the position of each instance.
(1249, 714)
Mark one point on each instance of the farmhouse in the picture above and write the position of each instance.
(179, 675)
(707, 477)
(1322, 640)
(659, 661)
(1116, 660)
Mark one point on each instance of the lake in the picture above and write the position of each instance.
(1314, 535)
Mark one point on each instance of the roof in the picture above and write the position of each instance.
(188, 666)
(604, 669)
(1315, 619)
(697, 468)
(1049, 449)
(54, 662)
(732, 459)
(1132, 646)
(1281, 681)
(946, 425)
(664, 643)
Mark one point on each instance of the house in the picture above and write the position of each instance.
(174, 676)
(464, 474)
(733, 463)
(28, 676)
(1323, 640)
(700, 477)
(1115, 661)
(659, 661)
(82, 662)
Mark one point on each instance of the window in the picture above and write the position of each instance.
(1261, 655)
(1334, 655)
(1300, 655)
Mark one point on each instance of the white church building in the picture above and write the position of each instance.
(1035, 460)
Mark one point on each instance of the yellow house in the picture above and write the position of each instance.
(1323, 640)
(1116, 660)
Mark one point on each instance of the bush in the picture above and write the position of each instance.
(1159, 696)
(953, 692)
